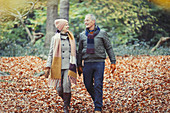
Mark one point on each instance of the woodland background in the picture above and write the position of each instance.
(139, 31)
(134, 27)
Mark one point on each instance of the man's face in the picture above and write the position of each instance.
(89, 23)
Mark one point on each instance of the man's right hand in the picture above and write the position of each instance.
(80, 70)
(113, 67)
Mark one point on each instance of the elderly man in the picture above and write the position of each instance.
(93, 45)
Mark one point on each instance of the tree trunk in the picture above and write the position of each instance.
(52, 14)
(64, 9)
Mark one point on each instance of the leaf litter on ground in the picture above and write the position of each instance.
(139, 84)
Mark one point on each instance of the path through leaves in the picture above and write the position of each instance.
(139, 84)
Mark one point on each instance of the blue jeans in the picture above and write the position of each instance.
(93, 80)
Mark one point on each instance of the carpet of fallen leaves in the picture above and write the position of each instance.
(139, 84)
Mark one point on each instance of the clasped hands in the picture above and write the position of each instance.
(80, 70)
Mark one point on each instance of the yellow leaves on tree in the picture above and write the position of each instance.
(162, 3)
(10, 4)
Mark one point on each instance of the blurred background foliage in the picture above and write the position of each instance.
(134, 26)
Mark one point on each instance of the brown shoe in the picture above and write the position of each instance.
(98, 112)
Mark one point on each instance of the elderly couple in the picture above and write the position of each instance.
(62, 62)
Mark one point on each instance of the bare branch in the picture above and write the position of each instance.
(33, 4)
(16, 13)
(161, 40)
(36, 36)
(13, 14)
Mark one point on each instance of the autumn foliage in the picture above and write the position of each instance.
(139, 84)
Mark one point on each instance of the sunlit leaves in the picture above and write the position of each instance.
(162, 3)
(139, 84)
(9, 4)
(15, 8)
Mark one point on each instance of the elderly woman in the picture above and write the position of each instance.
(61, 62)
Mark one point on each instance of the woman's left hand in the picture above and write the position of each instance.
(47, 72)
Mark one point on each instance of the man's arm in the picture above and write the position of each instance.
(80, 47)
(79, 56)
(109, 50)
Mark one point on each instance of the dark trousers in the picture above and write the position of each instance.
(93, 80)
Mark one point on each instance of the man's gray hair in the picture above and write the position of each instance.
(92, 16)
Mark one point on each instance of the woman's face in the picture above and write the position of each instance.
(65, 29)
